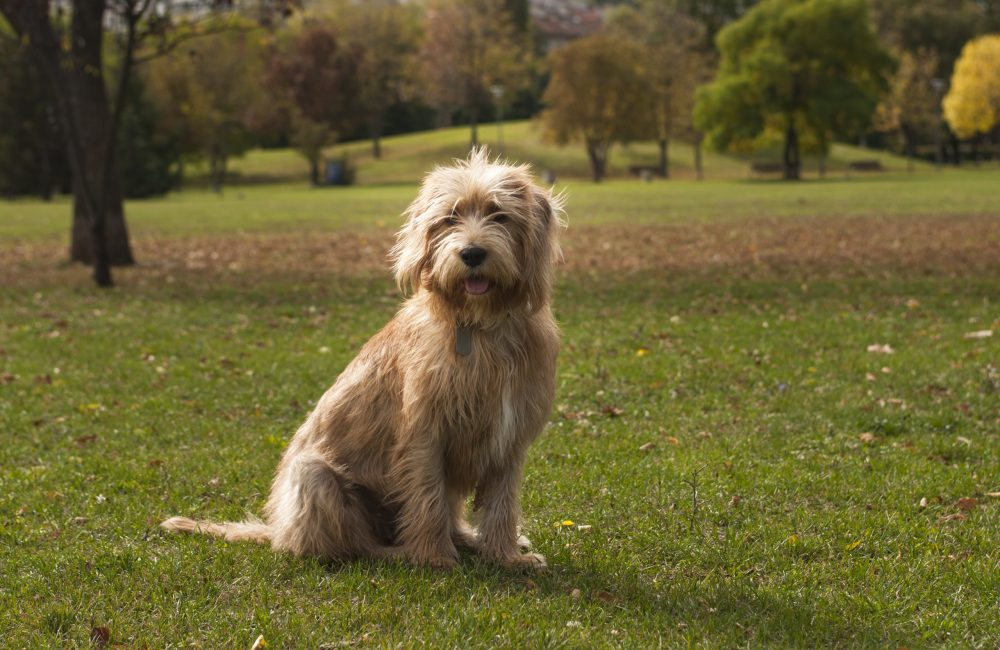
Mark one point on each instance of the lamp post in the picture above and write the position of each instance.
(497, 92)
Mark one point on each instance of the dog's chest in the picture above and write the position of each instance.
(482, 413)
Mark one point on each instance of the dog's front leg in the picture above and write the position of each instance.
(497, 499)
(425, 516)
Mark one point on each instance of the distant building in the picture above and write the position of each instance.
(560, 21)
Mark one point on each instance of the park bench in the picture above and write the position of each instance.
(644, 172)
(766, 168)
(865, 166)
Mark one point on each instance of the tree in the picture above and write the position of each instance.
(470, 46)
(910, 107)
(212, 96)
(32, 155)
(71, 61)
(972, 105)
(810, 67)
(386, 33)
(319, 76)
(671, 59)
(594, 96)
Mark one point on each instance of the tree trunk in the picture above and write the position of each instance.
(86, 121)
(698, 138)
(909, 138)
(474, 123)
(664, 161)
(598, 161)
(375, 129)
(956, 148)
(791, 157)
(314, 171)
(822, 165)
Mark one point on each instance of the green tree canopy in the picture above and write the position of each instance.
(810, 67)
(596, 95)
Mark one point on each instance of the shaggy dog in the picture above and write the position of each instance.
(444, 401)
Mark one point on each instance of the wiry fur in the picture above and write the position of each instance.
(384, 464)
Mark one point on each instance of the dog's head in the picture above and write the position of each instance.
(482, 236)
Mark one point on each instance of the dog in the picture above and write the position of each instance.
(444, 401)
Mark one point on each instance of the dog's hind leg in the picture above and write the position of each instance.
(313, 511)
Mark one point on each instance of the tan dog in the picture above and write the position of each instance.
(442, 402)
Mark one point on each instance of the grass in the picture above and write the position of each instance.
(709, 443)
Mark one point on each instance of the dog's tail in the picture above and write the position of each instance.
(252, 530)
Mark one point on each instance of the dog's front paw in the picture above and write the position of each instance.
(534, 561)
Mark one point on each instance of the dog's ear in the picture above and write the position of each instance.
(542, 250)
(410, 255)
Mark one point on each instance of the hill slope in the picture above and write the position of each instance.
(407, 157)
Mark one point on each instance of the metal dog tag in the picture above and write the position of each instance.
(463, 341)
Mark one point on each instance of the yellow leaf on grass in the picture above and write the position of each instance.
(641, 352)
(853, 545)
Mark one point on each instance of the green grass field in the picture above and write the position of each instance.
(727, 466)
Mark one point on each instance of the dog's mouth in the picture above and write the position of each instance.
(477, 286)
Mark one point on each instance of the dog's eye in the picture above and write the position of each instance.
(500, 218)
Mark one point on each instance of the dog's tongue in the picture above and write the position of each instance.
(477, 286)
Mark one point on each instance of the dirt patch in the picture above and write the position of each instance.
(804, 247)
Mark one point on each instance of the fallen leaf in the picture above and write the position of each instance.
(672, 440)
(649, 446)
(612, 411)
(575, 594)
(7, 378)
(993, 494)
(958, 516)
(100, 636)
(573, 624)
(881, 348)
(792, 540)
(966, 503)
(965, 441)
(867, 438)
(604, 596)
(870, 377)
(981, 334)
(85, 440)
(735, 501)
(259, 644)
(853, 545)
(641, 352)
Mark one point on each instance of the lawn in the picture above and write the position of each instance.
(728, 464)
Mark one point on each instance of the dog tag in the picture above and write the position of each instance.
(463, 341)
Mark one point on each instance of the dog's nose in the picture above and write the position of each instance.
(472, 255)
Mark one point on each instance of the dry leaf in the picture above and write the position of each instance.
(604, 596)
(867, 437)
(672, 440)
(612, 411)
(735, 501)
(966, 503)
(881, 348)
(649, 446)
(100, 636)
(575, 594)
(853, 545)
(923, 502)
(958, 516)
(981, 334)
(259, 644)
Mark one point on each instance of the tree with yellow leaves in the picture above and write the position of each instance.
(972, 105)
